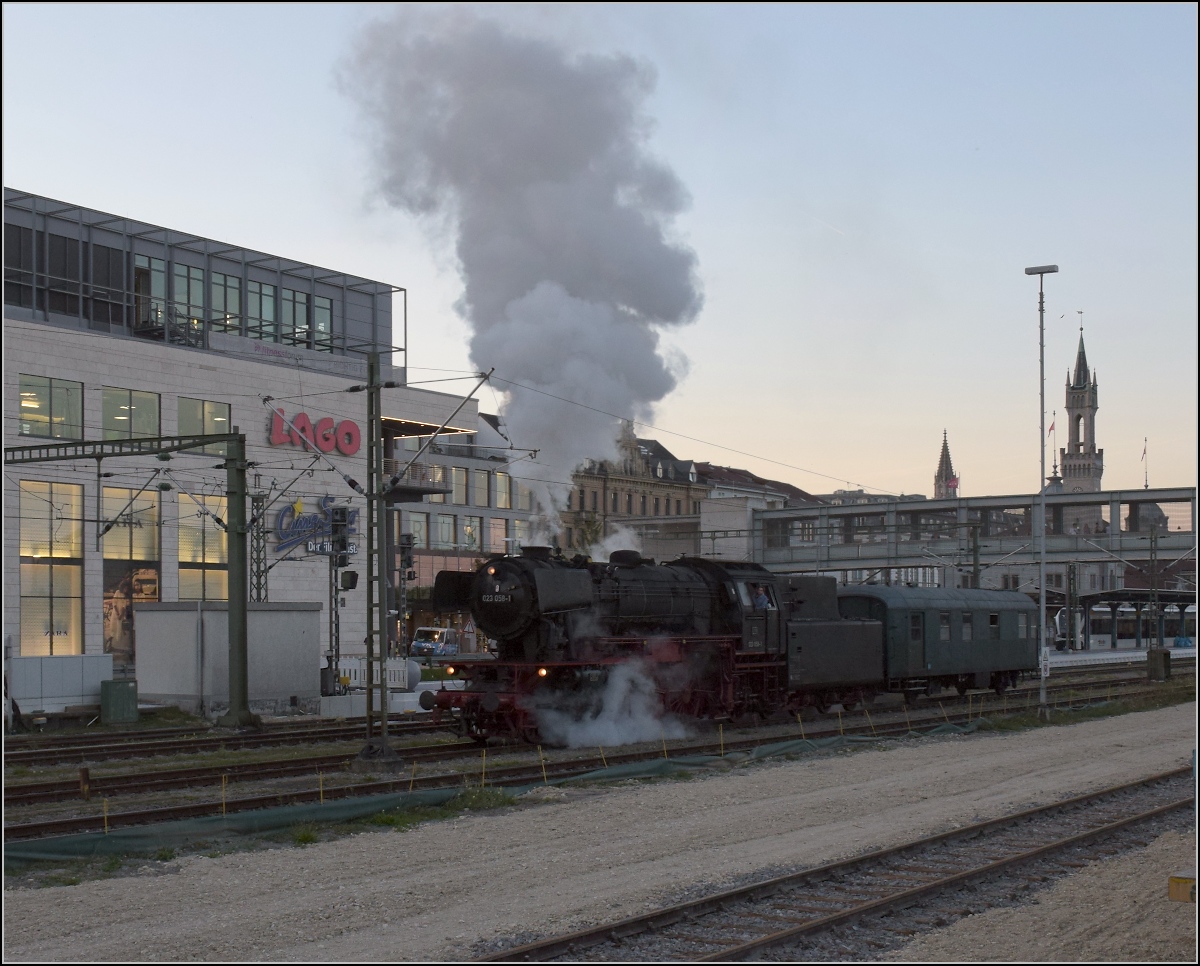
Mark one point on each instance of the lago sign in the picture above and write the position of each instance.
(324, 435)
(312, 531)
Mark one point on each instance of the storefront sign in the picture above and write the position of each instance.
(323, 435)
(294, 527)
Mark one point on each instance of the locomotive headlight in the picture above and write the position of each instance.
(449, 672)
(491, 571)
(542, 672)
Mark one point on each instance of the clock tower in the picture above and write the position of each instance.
(1082, 464)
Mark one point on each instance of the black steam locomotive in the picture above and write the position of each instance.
(718, 639)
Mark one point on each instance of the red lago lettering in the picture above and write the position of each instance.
(325, 436)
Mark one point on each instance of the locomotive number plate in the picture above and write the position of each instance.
(497, 598)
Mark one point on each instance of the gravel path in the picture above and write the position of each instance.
(446, 890)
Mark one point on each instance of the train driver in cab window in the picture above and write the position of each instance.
(761, 600)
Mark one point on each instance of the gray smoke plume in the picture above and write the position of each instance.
(536, 159)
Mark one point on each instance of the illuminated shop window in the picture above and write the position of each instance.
(51, 568)
(203, 549)
(132, 564)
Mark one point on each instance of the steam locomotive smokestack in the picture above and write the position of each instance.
(536, 159)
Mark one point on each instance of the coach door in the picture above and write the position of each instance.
(760, 625)
(916, 643)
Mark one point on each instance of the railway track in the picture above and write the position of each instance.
(86, 786)
(28, 794)
(136, 745)
(886, 888)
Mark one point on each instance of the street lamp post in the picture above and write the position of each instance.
(1041, 271)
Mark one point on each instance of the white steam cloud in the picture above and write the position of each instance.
(625, 712)
(536, 158)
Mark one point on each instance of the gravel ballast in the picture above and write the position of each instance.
(453, 889)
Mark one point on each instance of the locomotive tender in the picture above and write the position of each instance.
(719, 639)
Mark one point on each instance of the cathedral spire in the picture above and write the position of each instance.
(945, 481)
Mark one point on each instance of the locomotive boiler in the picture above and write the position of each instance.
(715, 639)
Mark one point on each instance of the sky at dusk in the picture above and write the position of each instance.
(861, 187)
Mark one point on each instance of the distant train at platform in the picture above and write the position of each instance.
(717, 639)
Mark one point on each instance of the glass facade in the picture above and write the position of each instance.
(481, 488)
(51, 568)
(293, 318)
(226, 303)
(498, 535)
(418, 526)
(443, 537)
(472, 533)
(459, 495)
(51, 408)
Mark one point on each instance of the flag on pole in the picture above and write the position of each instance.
(1050, 430)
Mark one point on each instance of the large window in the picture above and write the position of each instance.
(132, 566)
(472, 537)
(260, 312)
(503, 491)
(189, 294)
(203, 549)
(51, 408)
(18, 265)
(203, 417)
(459, 495)
(418, 526)
(51, 568)
(149, 291)
(108, 285)
(129, 414)
(437, 476)
(226, 293)
(498, 535)
(481, 488)
(64, 269)
(520, 534)
(322, 324)
(293, 318)
(443, 537)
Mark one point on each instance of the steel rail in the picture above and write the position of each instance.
(572, 943)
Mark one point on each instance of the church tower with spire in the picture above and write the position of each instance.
(945, 481)
(1082, 463)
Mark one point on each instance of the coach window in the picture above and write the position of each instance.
(994, 626)
(51, 525)
(1022, 626)
(944, 626)
(916, 630)
(968, 627)
(129, 414)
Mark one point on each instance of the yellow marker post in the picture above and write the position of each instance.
(543, 761)
(321, 787)
(412, 778)
(841, 730)
(907, 720)
(223, 780)
(602, 758)
(800, 722)
(871, 723)
(663, 732)
(106, 816)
